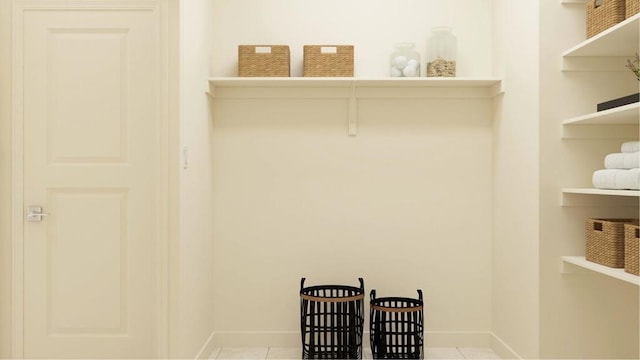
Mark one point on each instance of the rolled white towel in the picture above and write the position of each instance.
(617, 179)
(628, 179)
(630, 147)
(605, 179)
(622, 161)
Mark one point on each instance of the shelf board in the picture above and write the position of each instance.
(619, 274)
(348, 82)
(619, 40)
(353, 89)
(583, 2)
(593, 191)
(627, 114)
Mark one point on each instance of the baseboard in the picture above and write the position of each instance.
(502, 349)
(292, 339)
(207, 348)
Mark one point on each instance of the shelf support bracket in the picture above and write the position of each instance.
(353, 111)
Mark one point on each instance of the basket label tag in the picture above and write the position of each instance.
(328, 50)
(263, 49)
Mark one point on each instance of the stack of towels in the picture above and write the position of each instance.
(622, 170)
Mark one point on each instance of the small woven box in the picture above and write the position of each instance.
(263, 60)
(603, 14)
(605, 241)
(632, 8)
(632, 249)
(328, 60)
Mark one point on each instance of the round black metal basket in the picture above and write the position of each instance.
(331, 321)
(396, 327)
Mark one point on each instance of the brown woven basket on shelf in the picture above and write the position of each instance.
(632, 8)
(328, 60)
(605, 241)
(603, 14)
(632, 249)
(263, 60)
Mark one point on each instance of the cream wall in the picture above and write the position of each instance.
(294, 196)
(5, 179)
(192, 251)
(581, 316)
(515, 179)
(373, 27)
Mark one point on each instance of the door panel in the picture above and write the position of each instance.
(91, 130)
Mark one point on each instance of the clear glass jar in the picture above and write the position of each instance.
(404, 61)
(441, 53)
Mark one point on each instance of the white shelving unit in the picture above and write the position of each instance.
(605, 51)
(619, 40)
(352, 89)
(591, 191)
(570, 262)
(623, 115)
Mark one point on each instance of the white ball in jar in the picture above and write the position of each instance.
(395, 72)
(410, 71)
(400, 61)
(413, 62)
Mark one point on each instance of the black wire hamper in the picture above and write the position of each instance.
(331, 321)
(396, 327)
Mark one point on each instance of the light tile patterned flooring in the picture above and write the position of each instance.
(262, 353)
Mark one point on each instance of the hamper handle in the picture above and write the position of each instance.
(419, 294)
(597, 225)
(302, 283)
(361, 284)
(373, 294)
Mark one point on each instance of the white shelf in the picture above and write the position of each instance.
(592, 191)
(348, 82)
(581, 262)
(619, 40)
(353, 89)
(623, 115)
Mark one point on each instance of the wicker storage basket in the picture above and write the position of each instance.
(331, 321)
(632, 249)
(603, 14)
(328, 60)
(263, 60)
(396, 327)
(632, 7)
(605, 241)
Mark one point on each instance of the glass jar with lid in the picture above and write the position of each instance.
(404, 60)
(441, 52)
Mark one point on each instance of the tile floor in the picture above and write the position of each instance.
(262, 353)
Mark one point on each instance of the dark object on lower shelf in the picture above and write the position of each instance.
(396, 327)
(625, 100)
(331, 321)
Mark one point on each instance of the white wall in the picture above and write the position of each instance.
(515, 179)
(581, 316)
(294, 196)
(192, 266)
(373, 27)
(5, 179)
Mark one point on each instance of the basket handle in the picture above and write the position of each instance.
(302, 283)
(373, 294)
(419, 294)
(597, 225)
(361, 284)
(597, 3)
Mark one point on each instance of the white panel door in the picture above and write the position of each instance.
(91, 135)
